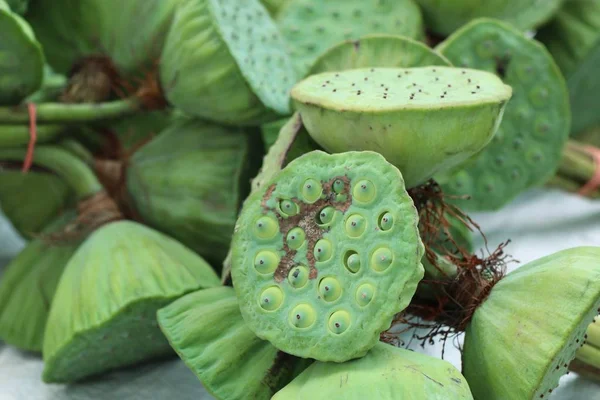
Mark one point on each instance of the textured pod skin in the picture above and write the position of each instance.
(274, 6)
(104, 311)
(444, 17)
(385, 373)
(31, 201)
(190, 181)
(310, 27)
(130, 33)
(313, 271)
(377, 51)
(21, 58)
(422, 120)
(527, 148)
(208, 332)
(27, 288)
(529, 328)
(246, 72)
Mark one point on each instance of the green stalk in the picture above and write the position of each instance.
(577, 167)
(19, 135)
(77, 149)
(79, 176)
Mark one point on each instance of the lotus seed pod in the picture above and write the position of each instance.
(511, 336)
(246, 73)
(444, 17)
(422, 120)
(385, 373)
(103, 315)
(274, 6)
(130, 33)
(377, 51)
(27, 288)
(21, 60)
(189, 182)
(31, 201)
(329, 297)
(310, 27)
(527, 149)
(208, 333)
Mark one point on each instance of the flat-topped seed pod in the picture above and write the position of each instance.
(21, 58)
(224, 60)
(528, 145)
(444, 17)
(531, 325)
(103, 315)
(377, 51)
(422, 120)
(326, 253)
(385, 373)
(310, 27)
(208, 332)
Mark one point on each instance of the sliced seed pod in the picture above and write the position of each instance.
(190, 181)
(377, 51)
(422, 120)
(18, 6)
(208, 332)
(573, 38)
(527, 148)
(444, 17)
(31, 201)
(246, 73)
(104, 311)
(310, 27)
(385, 373)
(27, 288)
(22, 69)
(511, 336)
(314, 272)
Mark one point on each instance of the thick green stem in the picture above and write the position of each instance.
(74, 171)
(77, 149)
(19, 135)
(577, 167)
(59, 113)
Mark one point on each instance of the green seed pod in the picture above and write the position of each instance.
(377, 51)
(21, 58)
(27, 288)
(302, 143)
(511, 335)
(130, 33)
(422, 120)
(573, 39)
(208, 332)
(103, 315)
(444, 17)
(311, 304)
(246, 73)
(274, 6)
(310, 27)
(385, 373)
(527, 148)
(31, 201)
(189, 182)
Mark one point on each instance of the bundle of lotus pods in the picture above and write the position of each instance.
(272, 189)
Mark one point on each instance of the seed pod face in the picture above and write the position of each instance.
(208, 332)
(444, 17)
(528, 146)
(310, 27)
(131, 33)
(31, 201)
(246, 72)
(104, 311)
(377, 51)
(422, 120)
(307, 298)
(27, 288)
(189, 182)
(22, 66)
(531, 325)
(385, 373)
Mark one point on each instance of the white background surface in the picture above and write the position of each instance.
(539, 223)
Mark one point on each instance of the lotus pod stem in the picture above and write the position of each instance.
(578, 170)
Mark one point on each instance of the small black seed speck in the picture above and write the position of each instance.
(335, 90)
(464, 72)
(437, 79)
(420, 90)
(472, 92)
(469, 80)
(366, 79)
(414, 84)
(353, 84)
(478, 87)
(297, 316)
(442, 96)
(372, 70)
(449, 85)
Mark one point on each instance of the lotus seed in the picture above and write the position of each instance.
(364, 294)
(381, 259)
(326, 216)
(323, 250)
(386, 221)
(296, 238)
(352, 262)
(355, 225)
(288, 208)
(330, 289)
(271, 298)
(266, 227)
(364, 191)
(298, 276)
(339, 322)
(266, 262)
(303, 316)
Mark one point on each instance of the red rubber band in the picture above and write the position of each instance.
(32, 137)
(594, 182)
